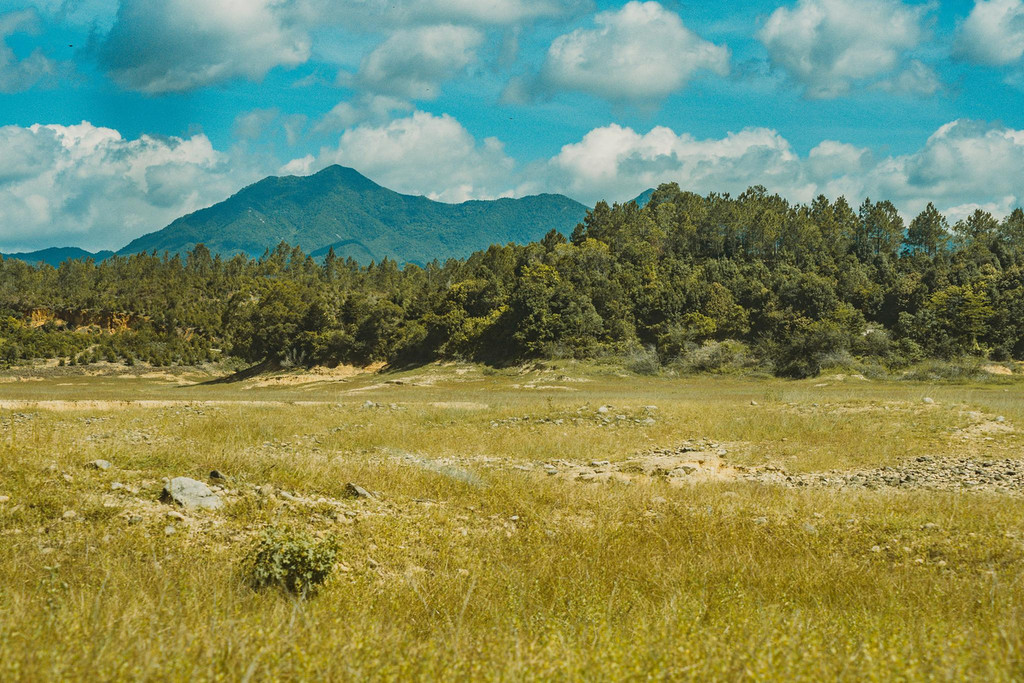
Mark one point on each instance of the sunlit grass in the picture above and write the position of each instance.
(507, 574)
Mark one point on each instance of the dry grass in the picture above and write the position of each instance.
(467, 568)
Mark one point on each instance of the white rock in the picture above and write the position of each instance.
(190, 493)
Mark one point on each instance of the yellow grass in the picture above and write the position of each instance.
(465, 567)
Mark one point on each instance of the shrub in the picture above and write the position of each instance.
(644, 361)
(292, 560)
(717, 357)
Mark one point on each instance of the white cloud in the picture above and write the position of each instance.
(964, 163)
(376, 109)
(829, 45)
(159, 46)
(917, 79)
(420, 154)
(412, 63)
(90, 187)
(640, 52)
(18, 75)
(617, 163)
(483, 12)
(993, 33)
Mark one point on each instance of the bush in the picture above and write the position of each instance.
(292, 560)
(717, 357)
(644, 361)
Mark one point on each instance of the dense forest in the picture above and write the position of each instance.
(701, 282)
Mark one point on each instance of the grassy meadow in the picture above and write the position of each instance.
(477, 557)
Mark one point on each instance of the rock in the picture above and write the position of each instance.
(134, 519)
(599, 463)
(217, 475)
(116, 486)
(810, 528)
(369, 404)
(174, 514)
(876, 548)
(648, 422)
(651, 409)
(1000, 419)
(5, 499)
(169, 530)
(928, 401)
(930, 526)
(753, 403)
(604, 410)
(190, 493)
(356, 491)
(99, 465)
(69, 514)
(760, 520)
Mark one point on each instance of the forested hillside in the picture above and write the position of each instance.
(707, 282)
(342, 209)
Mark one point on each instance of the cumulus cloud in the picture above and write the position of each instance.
(376, 109)
(917, 79)
(829, 45)
(421, 154)
(640, 52)
(618, 163)
(160, 46)
(993, 33)
(18, 75)
(89, 186)
(482, 12)
(412, 63)
(964, 163)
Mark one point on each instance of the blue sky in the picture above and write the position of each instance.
(116, 116)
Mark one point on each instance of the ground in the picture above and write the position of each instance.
(550, 522)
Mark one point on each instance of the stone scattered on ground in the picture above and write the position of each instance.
(99, 464)
(357, 491)
(1002, 475)
(190, 493)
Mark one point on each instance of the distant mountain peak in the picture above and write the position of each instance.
(338, 206)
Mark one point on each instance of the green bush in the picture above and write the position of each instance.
(292, 560)
(644, 361)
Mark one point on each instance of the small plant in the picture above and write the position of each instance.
(292, 560)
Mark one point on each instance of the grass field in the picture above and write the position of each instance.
(561, 522)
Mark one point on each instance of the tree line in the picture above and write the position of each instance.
(704, 280)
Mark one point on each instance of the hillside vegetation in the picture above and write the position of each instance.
(340, 209)
(697, 283)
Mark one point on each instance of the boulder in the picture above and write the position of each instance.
(190, 493)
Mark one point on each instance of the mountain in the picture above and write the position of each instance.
(644, 198)
(55, 256)
(338, 207)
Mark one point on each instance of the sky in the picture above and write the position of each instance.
(118, 116)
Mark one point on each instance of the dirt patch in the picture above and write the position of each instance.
(460, 405)
(997, 369)
(72, 405)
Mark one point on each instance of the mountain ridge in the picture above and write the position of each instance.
(340, 207)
